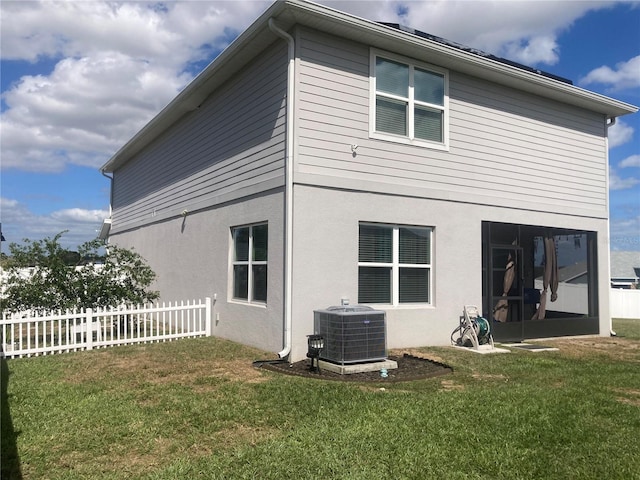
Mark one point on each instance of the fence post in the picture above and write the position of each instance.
(89, 324)
(208, 317)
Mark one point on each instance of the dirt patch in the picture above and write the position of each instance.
(146, 368)
(410, 367)
(488, 376)
(133, 463)
(418, 354)
(630, 401)
(628, 396)
(450, 385)
(615, 348)
(204, 374)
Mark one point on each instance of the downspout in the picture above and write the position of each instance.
(110, 203)
(608, 125)
(288, 191)
(110, 190)
(106, 240)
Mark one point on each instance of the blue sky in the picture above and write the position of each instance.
(79, 78)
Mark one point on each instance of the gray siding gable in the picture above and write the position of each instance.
(507, 148)
(230, 147)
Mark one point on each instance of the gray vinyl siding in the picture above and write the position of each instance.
(232, 146)
(507, 148)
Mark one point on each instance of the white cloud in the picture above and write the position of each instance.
(542, 49)
(626, 75)
(79, 215)
(167, 35)
(620, 134)
(83, 111)
(523, 31)
(119, 65)
(18, 223)
(632, 161)
(616, 182)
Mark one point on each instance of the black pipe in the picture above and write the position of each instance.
(260, 363)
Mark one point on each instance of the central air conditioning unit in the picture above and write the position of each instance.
(352, 334)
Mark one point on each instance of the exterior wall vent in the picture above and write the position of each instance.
(352, 334)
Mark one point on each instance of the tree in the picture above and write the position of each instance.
(52, 284)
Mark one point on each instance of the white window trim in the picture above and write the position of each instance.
(395, 264)
(249, 263)
(408, 140)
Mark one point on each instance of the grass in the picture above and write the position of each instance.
(197, 409)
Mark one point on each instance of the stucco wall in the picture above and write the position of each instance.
(191, 256)
(326, 258)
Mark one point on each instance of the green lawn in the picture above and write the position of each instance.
(197, 409)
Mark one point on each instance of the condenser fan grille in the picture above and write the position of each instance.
(351, 334)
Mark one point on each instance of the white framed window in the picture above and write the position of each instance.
(409, 101)
(249, 262)
(394, 264)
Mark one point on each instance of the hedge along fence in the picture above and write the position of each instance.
(29, 334)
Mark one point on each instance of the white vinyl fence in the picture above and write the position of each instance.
(25, 334)
(624, 303)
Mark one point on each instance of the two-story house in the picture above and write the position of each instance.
(324, 158)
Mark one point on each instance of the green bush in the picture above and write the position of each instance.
(62, 279)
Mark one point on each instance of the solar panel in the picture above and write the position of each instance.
(475, 51)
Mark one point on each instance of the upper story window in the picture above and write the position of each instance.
(250, 262)
(409, 102)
